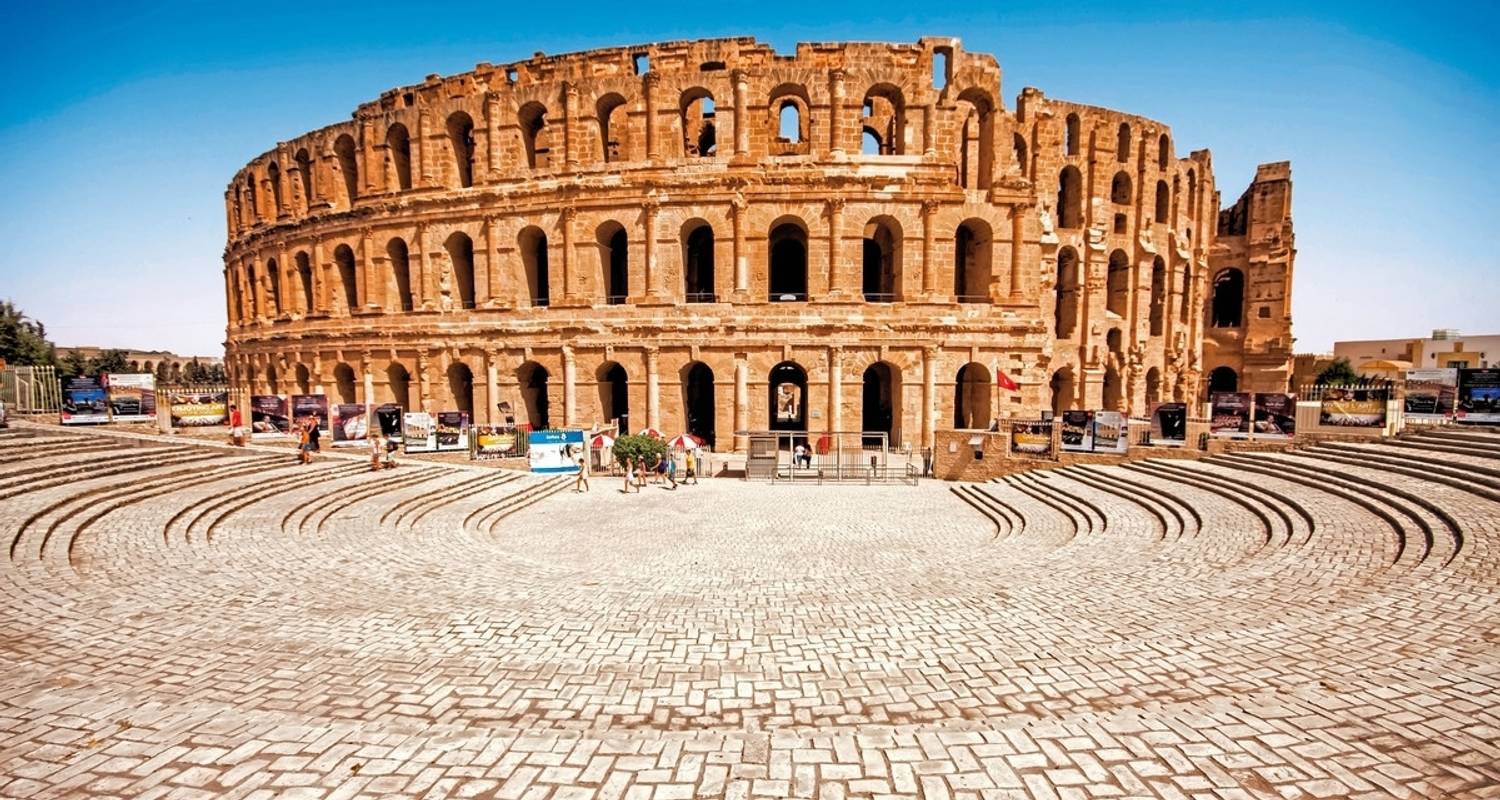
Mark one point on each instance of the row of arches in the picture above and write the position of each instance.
(1072, 146)
(1067, 311)
(1070, 196)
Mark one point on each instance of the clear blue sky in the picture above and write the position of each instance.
(121, 128)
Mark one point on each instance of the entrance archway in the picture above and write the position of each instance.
(1223, 379)
(971, 397)
(614, 394)
(880, 402)
(533, 379)
(698, 401)
(461, 387)
(788, 397)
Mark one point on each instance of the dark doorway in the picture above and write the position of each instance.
(788, 397)
(614, 395)
(700, 402)
(878, 404)
(788, 263)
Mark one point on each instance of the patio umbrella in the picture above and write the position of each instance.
(601, 441)
(653, 433)
(685, 441)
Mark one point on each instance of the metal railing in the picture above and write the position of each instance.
(30, 390)
(973, 298)
(616, 299)
(702, 297)
(787, 297)
(541, 302)
(880, 297)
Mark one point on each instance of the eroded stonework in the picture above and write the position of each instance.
(667, 233)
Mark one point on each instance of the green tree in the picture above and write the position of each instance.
(23, 341)
(635, 446)
(108, 361)
(1339, 373)
(73, 365)
(215, 374)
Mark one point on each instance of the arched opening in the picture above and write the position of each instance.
(461, 139)
(880, 403)
(1018, 144)
(343, 383)
(1066, 310)
(305, 173)
(461, 388)
(304, 379)
(344, 149)
(698, 402)
(882, 260)
(343, 257)
(976, 140)
(251, 195)
(698, 139)
(1113, 394)
(400, 258)
(1117, 299)
(788, 397)
(614, 262)
(1163, 151)
(1063, 389)
(869, 142)
(1192, 213)
(1122, 152)
(532, 118)
(1163, 202)
(305, 279)
(273, 174)
(251, 282)
(1070, 198)
(398, 383)
(971, 397)
(698, 262)
(1153, 387)
(533, 380)
(790, 121)
(398, 148)
(533, 244)
(1158, 295)
(273, 275)
(461, 254)
(1229, 298)
(614, 395)
(1185, 303)
(787, 246)
(613, 126)
(1119, 189)
(1070, 136)
(973, 261)
(1223, 379)
(885, 114)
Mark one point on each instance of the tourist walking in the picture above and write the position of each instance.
(377, 450)
(629, 474)
(671, 469)
(314, 437)
(304, 443)
(581, 484)
(690, 463)
(236, 426)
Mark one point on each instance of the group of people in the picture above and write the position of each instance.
(662, 468)
(382, 450)
(309, 434)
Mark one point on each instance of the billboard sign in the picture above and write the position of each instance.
(1431, 394)
(419, 432)
(1077, 431)
(1275, 415)
(388, 416)
(453, 430)
(132, 396)
(1169, 424)
(190, 409)
(1111, 432)
(494, 441)
(268, 416)
(556, 451)
(1479, 395)
(1031, 438)
(83, 401)
(1353, 407)
(1230, 414)
(311, 405)
(351, 424)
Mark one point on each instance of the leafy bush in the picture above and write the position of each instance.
(1339, 373)
(637, 447)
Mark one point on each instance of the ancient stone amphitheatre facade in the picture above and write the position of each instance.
(670, 233)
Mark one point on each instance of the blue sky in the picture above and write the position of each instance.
(122, 126)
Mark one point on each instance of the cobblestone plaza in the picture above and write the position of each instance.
(188, 620)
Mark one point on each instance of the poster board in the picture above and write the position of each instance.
(132, 396)
(556, 451)
(311, 405)
(351, 424)
(1229, 415)
(453, 430)
(1275, 415)
(1431, 395)
(191, 409)
(1077, 431)
(1031, 438)
(419, 432)
(84, 401)
(1353, 407)
(269, 416)
(1478, 396)
(388, 417)
(1169, 424)
(1111, 432)
(494, 441)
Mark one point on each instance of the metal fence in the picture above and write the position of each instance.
(31, 390)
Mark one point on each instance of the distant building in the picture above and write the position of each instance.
(1390, 358)
(145, 360)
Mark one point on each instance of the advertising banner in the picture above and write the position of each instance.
(419, 432)
(388, 416)
(1275, 415)
(1479, 396)
(190, 409)
(1353, 407)
(494, 441)
(1169, 424)
(83, 401)
(1077, 431)
(1230, 415)
(556, 451)
(1431, 394)
(1031, 438)
(1111, 432)
(269, 416)
(453, 430)
(132, 396)
(311, 405)
(351, 424)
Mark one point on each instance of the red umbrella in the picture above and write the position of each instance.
(653, 433)
(601, 441)
(685, 441)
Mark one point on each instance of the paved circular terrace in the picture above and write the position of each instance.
(196, 621)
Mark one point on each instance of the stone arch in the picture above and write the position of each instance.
(880, 400)
(273, 276)
(787, 260)
(1158, 295)
(532, 242)
(884, 114)
(790, 120)
(699, 136)
(971, 397)
(1122, 149)
(1068, 288)
(344, 385)
(1223, 379)
(1018, 144)
(461, 255)
(1153, 386)
(1163, 202)
(304, 379)
(398, 157)
(1119, 189)
(461, 387)
(614, 127)
(1071, 135)
(461, 142)
(614, 394)
(273, 176)
(1163, 151)
(614, 262)
(976, 139)
(1117, 292)
(1228, 298)
(343, 259)
(305, 281)
(698, 401)
(1114, 395)
(881, 260)
(399, 257)
(348, 157)
(698, 261)
(787, 407)
(1070, 198)
(305, 173)
(398, 384)
(535, 136)
(533, 379)
(973, 261)
(1064, 388)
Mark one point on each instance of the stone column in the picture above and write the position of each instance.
(570, 294)
(929, 143)
(424, 389)
(491, 386)
(929, 393)
(492, 133)
(422, 169)
(285, 283)
(836, 280)
(570, 134)
(835, 111)
(741, 113)
(371, 288)
(570, 385)
(835, 388)
(741, 259)
(653, 147)
(316, 377)
(741, 402)
(929, 269)
(1017, 237)
(319, 280)
(420, 288)
(654, 290)
(367, 369)
(653, 388)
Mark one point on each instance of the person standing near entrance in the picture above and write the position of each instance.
(581, 484)
(314, 434)
(691, 465)
(236, 426)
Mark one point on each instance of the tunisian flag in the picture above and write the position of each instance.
(1004, 381)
